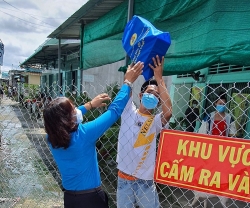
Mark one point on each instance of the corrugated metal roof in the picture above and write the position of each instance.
(48, 52)
(91, 11)
(33, 70)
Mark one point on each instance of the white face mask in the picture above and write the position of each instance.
(78, 115)
(194, 105)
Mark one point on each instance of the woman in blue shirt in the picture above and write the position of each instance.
(73, 144)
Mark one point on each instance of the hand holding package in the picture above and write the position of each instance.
(142, 41)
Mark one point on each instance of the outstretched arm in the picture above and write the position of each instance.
(164, 96)
(132, 68)
(97, 127)
(98, 101)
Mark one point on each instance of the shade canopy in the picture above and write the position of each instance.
(48, 52)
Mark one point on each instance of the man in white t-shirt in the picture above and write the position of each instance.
(137, 143)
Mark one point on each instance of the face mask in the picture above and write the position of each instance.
(79, 117)
(149, 101)
(194, 105)
(221, 108)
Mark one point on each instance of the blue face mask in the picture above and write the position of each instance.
(221, 108)
(78, 115)
(149, 101)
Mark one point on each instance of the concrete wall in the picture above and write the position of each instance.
(95, 80)
(180, 99)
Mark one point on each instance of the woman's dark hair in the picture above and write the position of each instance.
(221, 96)
(59, 122)
(149, 82)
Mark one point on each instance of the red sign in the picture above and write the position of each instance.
(212, 164)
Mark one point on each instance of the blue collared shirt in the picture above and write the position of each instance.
(78, 163)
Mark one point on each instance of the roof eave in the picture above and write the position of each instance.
(76, 17)
(97, 8)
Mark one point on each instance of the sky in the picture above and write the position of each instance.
(25, 25)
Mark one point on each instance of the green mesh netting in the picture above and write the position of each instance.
(101, 52)
(202, 32)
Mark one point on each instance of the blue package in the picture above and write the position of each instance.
(142, 41)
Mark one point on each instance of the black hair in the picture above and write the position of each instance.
(59, 122)
(149, 82)
(42, 95)
(194, 101)
(221, 96)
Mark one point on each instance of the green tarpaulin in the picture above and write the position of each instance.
(203, 32)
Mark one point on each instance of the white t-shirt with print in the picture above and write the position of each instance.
(128, 156)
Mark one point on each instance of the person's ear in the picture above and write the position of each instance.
(140, 96)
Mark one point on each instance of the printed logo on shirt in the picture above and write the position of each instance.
(142, 139)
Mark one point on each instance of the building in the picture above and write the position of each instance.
(15, 76)
(205, 84)
(202, 39)
(33, 76)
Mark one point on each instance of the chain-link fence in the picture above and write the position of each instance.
(29, 175)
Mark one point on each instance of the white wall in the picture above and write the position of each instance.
(96, 79)
(181, 97)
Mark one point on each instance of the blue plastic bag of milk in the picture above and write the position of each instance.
(142, 41)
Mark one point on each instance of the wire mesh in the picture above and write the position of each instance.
(29, 175)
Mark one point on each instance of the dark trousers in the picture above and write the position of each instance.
(97, 199)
